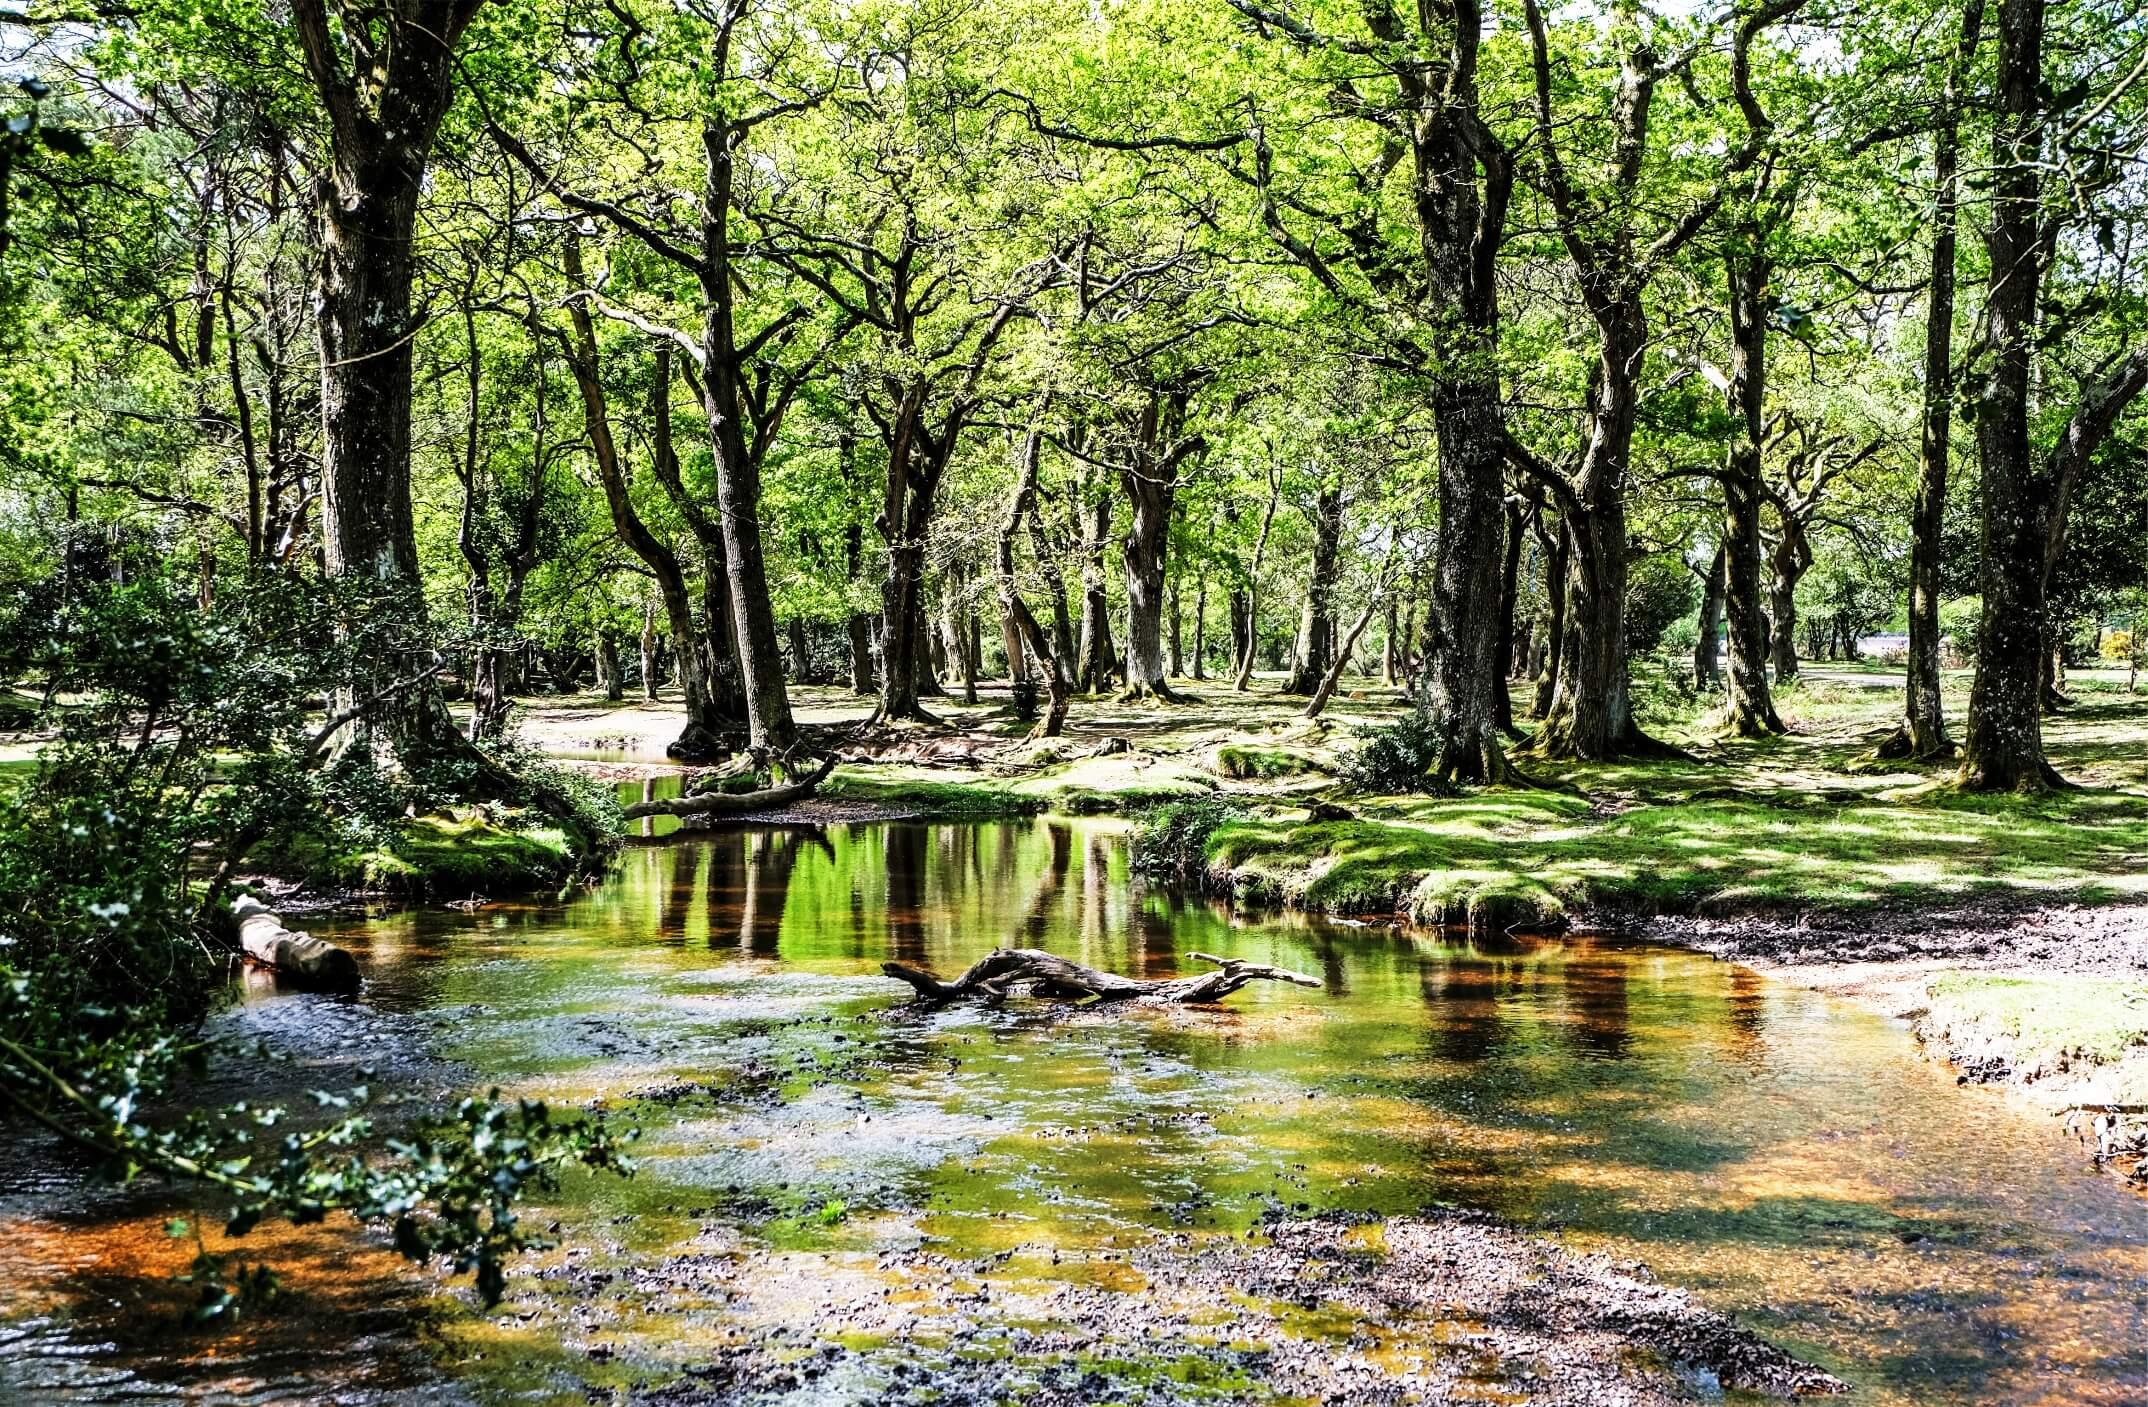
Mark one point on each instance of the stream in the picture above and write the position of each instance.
(1789, 1158)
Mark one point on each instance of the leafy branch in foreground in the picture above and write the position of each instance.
(184, 733)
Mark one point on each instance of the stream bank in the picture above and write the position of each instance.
(2049, 1000)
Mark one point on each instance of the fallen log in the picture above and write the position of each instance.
(995, 975)
(302, 958)
(719, 803)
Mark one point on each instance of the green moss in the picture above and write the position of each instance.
(2049, 1021)
(1114, 783)
(1085, 787)
(436, 855)
(907, 789)
(1256, 762)
(1674, 852)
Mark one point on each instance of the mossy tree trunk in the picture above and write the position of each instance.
(1707, 671)
(1748, 706)
(384, 110)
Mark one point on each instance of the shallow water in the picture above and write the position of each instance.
(1788, 1157)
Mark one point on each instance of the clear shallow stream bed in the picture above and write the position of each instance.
(1787, 1157)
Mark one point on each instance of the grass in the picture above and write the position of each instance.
(1250, 762)
(2058, 1015)
(1677, 853)
(2047, 1023)
(1085, 787)
(1762, 825)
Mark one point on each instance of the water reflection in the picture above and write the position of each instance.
(1599, 1028)
(1788, 1157)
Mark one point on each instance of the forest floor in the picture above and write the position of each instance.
(2012, 931)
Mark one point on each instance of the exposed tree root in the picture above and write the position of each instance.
(1554, 742)
(717, 803)
(1745, 721)
(1902, 746)
(995, 976)
(697, 743)
(2030, 779)
(1479, 761)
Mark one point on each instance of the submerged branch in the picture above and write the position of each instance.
(996, 974)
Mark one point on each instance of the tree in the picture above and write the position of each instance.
(1614, 262)
(2026, 493)
(384, 78)
(1433, 313)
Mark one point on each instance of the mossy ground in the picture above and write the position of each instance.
(2050, 1022)
(434, 857)
(1773, 825)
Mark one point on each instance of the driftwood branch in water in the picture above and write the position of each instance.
(719, 803)
(1047, 975)
(305, 959)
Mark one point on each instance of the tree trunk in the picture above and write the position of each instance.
(609, 678)
(1248, 621)
(1591, 713)
(1373, 598)
(1923, 733)
(1144, 563)
(1178, 631)
(859, 625)
(1200, 625)
(997, 974)
(1547, 681)
(699, 740)
(304, 959)
(961, 639)
(905, 520)
(648, 654)
(1052, 662)
(719, 803)
(368, 207)
(1099, 658)
(1748, 706)
(2004, 748)
(1509, 594)
(1707, 674)
(1788, 562)
(726, 373)
(1316, 629)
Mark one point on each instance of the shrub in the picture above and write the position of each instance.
(1394, 757)
(189, 740)
(1171, 838)
(1659, 591)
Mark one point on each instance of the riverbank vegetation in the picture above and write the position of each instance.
(1565, 410)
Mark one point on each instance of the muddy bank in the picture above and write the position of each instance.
(1331, 1309)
